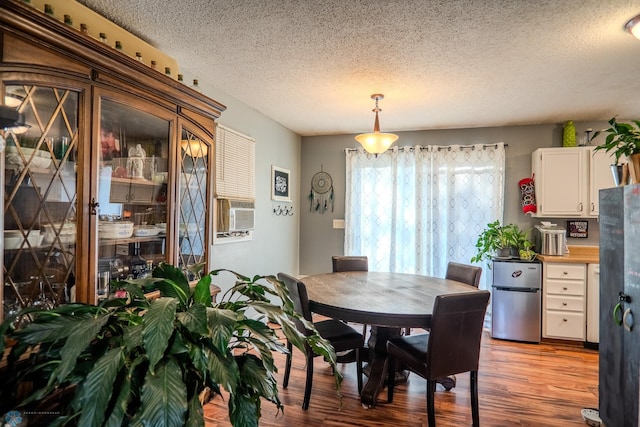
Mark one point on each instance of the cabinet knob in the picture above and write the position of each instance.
(564, 303)
(564, 289)
(580, 207)
(564, 320)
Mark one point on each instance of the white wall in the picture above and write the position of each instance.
(274, 245)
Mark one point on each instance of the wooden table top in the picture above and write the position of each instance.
(376, 298)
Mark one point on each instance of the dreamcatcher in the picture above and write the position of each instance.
(321, 195)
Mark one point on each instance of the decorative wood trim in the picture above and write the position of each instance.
(51, 34)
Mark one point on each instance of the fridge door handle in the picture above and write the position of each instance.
(617, 314)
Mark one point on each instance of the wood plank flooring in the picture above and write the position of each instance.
(519, 385)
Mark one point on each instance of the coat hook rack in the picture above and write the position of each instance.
(283, 210)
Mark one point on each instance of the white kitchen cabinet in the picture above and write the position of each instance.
(600, 177)
(567, 181)
(564, 301)
(593, 303)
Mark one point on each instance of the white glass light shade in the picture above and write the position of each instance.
(376, 142)
(633, 26)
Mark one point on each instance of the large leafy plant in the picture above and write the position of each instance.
(132, 361)
(494, 238)
(622, 139)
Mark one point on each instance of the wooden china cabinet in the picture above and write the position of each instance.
(113, 172)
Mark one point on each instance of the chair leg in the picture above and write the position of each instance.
(287, 365)
(308, 383)
(473, 385)
(391, 377)
(431, 405)
(359, 368)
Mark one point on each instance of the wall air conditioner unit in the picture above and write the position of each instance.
(235, 215)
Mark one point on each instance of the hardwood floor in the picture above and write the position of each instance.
(519, 385)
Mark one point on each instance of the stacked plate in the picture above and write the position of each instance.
(115, 229)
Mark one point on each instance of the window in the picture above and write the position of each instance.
(413, 209)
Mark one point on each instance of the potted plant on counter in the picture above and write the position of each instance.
(132, 361)
(496, 241)
(623, 140)
(525, 247)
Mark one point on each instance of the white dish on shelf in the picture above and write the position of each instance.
(41, 159)
(115, 229)
(146, 230)
(66, 232)
(13, 239)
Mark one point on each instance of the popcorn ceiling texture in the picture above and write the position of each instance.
(312, 65)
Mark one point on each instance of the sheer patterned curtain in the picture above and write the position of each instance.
(413, 209)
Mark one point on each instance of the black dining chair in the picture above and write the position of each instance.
(349, 263)
(341, 336)
(469, 274)
(342, 263)
(451, 346)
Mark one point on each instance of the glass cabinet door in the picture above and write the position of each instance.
(40, 198)
(192, 200)
(132, 193)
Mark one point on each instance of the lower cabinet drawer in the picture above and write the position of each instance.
(564, 325)
(562, 302)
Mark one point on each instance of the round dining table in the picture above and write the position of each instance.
(387, 301)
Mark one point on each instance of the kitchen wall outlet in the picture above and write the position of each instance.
(338, 223)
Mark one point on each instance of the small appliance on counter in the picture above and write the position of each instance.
(549, 239)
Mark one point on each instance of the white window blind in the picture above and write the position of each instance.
(235, 165)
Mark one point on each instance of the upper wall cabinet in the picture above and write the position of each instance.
(113, 173)
(567, 181)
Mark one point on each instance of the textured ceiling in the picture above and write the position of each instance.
(312, 65)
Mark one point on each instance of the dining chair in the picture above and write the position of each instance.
(469, 274)
(349, 263)
(342, 263)
(341, 336)
(451, 346)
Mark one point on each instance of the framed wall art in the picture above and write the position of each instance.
(280, 184)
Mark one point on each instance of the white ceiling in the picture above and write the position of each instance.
(312, 65)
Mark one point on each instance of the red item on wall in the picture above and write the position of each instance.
(528, 196)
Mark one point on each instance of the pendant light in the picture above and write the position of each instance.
(633, 26)
(376, 142)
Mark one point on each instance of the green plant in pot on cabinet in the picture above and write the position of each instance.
(623, 140)
(525, 247)
(132, 361)
(496, 241)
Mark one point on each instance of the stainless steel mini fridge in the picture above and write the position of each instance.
(516, 300)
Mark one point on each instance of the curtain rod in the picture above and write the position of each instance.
(439, 147)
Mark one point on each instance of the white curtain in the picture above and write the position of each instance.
(413, 209)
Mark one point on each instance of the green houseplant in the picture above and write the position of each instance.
(622, 139)
(131, 361)
(525, 247)
(496, 240)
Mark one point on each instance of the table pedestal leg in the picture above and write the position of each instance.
(377, 369)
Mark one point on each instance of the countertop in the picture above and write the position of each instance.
(577, 254)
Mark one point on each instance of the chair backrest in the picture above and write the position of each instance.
(469, 274)
(456, 332)
(298, 294)
(349, 263)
